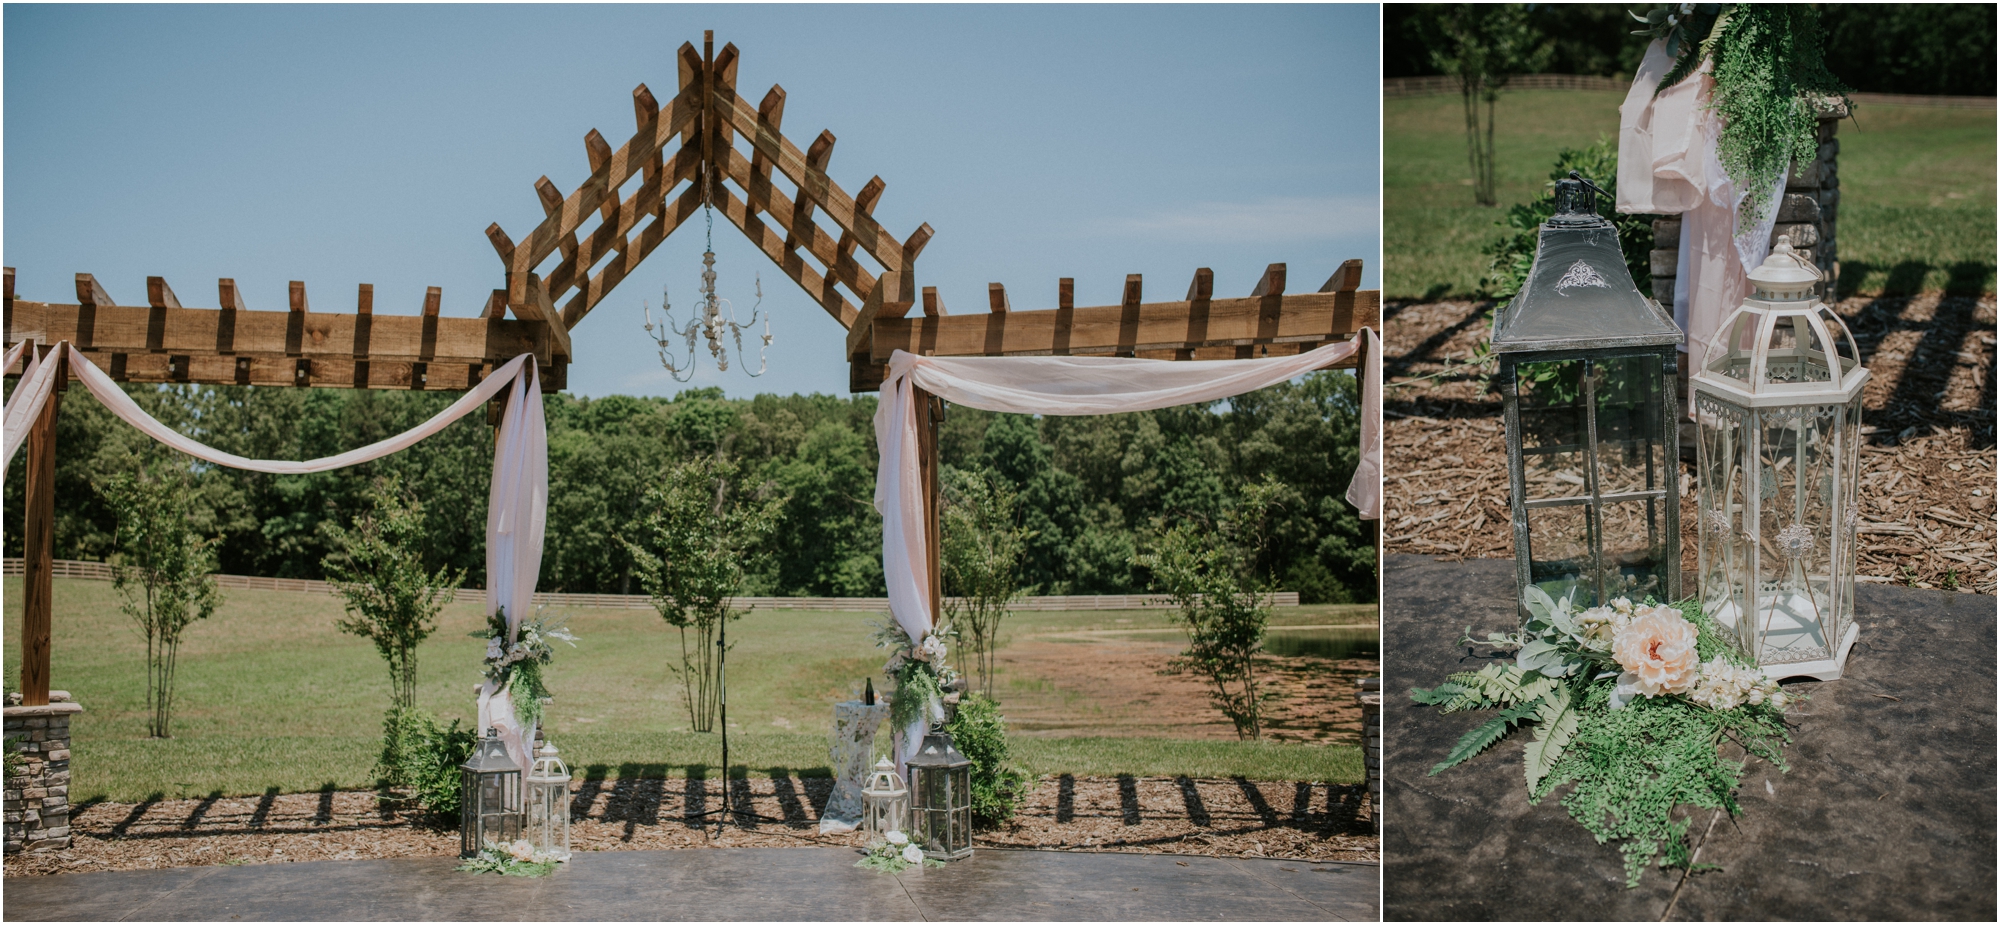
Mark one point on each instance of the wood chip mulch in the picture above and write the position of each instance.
(1927, 470)
(1218, 818)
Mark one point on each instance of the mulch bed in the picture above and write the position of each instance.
(1217, 818)
(1927, 470)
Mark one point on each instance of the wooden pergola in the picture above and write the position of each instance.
(707, 145)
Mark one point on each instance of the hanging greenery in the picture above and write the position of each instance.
(1771, 83)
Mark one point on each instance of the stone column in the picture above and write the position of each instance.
(1370, 697)
(37, 795)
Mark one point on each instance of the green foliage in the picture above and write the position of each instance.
(1922, 48)
(421, 757)
(1208, 573)
(1769, 74)
(495, 861)
(517, 658)
(1484, 45)
(701, 535)
(1770, 79)
(1630, 765)
(377, 567)
(1514, 253)
(165, 572)
(10, 747)
(980, 732)
(982, 544)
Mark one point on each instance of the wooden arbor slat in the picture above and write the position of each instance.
(1200, 327)
(233, 345)
(705, 116)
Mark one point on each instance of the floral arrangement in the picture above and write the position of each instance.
(518, 666)
(894, 853)
(511, 859)
(925, 681)
(1770, 83)
(1630, 703)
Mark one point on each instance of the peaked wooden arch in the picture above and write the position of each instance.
(596, 236)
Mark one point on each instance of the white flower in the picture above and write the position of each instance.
(521, 850)
(1725, 687)
(897, 838)
(493, 649)
(913, 854)
(933, 650)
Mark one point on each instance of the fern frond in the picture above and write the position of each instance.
(1555, 726)
(1485, 734)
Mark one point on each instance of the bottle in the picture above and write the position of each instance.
(868, 697)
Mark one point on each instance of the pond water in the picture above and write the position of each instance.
(1325, 642)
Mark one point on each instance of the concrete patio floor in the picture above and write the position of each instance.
(737, 884)
(1887, 813)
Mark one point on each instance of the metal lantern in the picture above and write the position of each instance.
(548, 804)
(489, 797)
(1777, 402)
(885, 802)
(1587, 376)
(941, 784)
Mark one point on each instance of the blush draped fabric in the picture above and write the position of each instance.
(517, 506)
(1068, 386)
(1667, 164)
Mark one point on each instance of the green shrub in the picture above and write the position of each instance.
(421, 757)
(980, 732)
(12, 748)
(1514, 253)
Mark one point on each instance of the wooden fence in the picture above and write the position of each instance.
(1438, 84)
(99, 571)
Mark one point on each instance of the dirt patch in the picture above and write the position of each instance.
(1927, 469)
(1217, 818)
(1080, 685)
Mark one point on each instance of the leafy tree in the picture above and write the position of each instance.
(164, 571)
(391, 599)
(1208, 571)
(981, 560)
(701, 536)
(1484, 46)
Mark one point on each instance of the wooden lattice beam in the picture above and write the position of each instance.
(1200, 327)
(167, 342)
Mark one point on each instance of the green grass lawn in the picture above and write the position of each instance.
(269, 694)
(1917, 190)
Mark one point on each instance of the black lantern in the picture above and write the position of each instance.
(489, 797)
(941, 798)
(1587, 370)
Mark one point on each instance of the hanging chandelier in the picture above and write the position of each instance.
(713, 317)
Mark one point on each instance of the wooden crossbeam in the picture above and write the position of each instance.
(773, 245)
(1190, 329)
(166, 342)
(628, 254)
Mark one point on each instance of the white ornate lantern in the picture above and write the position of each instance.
(489, 797)
(548, 804)
(885, 802)
(1777, 401)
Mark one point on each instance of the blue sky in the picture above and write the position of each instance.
(347, 144)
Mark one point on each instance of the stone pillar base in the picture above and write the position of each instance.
(37, 804)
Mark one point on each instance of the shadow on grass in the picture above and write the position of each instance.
(1910, 277)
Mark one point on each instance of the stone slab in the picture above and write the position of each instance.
(1887, 813)
(737, 884)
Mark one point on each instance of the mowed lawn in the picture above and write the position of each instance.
(270, 694)
(1917, 189)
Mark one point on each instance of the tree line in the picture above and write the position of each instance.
(1091, 490)
(1920, 48)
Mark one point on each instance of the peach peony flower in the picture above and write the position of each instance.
(1657, 652)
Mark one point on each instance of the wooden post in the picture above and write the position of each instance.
(930, 409)
(38, 547)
